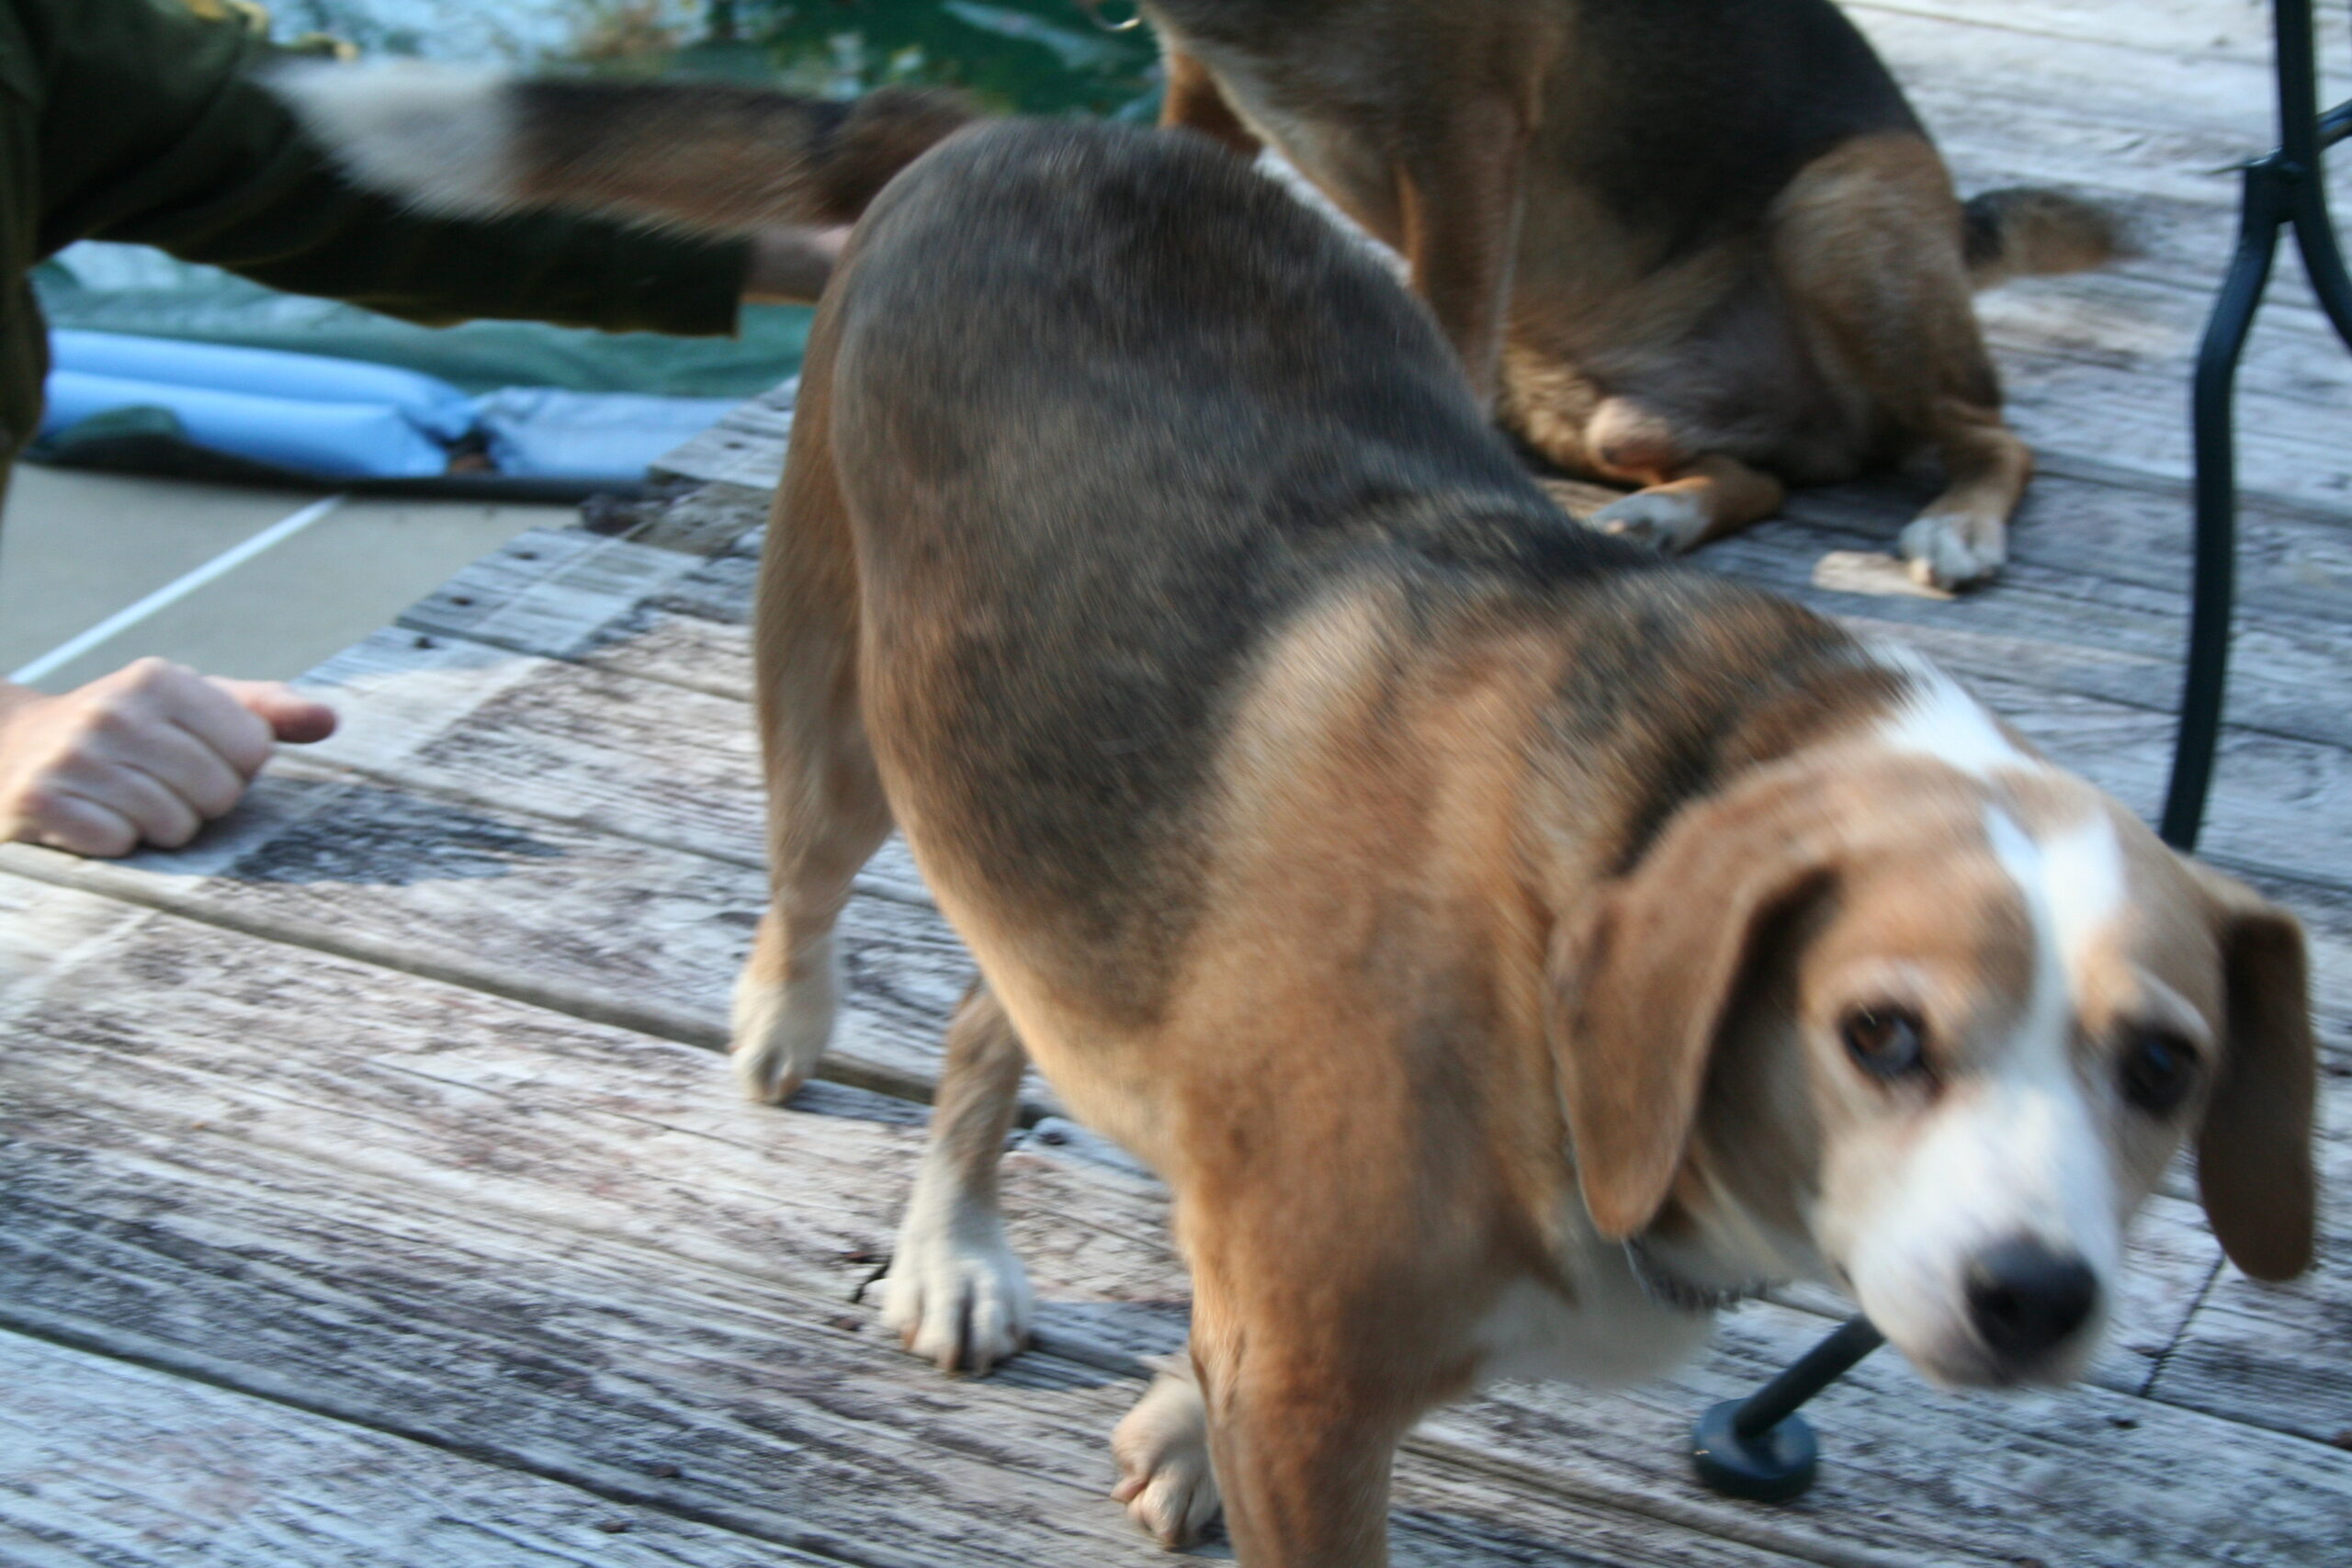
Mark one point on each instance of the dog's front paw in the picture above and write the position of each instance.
(780, 1031)
(1954, 549)
(1668, 521)
(955, 1294)
(1162, 1447)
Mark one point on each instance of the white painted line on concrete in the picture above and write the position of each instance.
(172, 593)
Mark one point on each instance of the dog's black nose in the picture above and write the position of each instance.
(2026, 1298)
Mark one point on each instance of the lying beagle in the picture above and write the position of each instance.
(1507, 944)
(1702, 246)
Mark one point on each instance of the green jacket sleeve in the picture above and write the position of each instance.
(153, 133)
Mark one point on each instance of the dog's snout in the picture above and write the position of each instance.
(2026, 1298)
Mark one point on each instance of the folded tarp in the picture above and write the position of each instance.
(541, 433)
(122, 400)
(322, 440)
(433, 406)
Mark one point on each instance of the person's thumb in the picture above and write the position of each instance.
(289, 715)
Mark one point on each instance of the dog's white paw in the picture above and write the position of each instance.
(1664, 520)
(780, 1031)
(1953, 550)
(955, 1294)
(1162, 1447)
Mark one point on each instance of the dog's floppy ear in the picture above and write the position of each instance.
(2254, 1152)
(1641, 982)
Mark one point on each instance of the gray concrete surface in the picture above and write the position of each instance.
(77, 547)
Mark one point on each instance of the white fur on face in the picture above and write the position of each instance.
(2014, 1148)
(1938, 719)
(439, 137)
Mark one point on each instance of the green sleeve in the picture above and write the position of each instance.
(153, 133)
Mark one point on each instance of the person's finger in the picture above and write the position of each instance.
(62, 819)
(291, 716)
(176, 758)
(216, 717)
(152, 806)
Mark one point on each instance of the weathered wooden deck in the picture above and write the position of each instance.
(371, 1189)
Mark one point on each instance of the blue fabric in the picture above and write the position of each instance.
(539, 431)
(433, 406)
(325, 418)
(334, 440)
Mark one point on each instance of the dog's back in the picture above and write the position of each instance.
(1110, 409)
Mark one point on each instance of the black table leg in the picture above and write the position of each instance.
(2285, 189)
(2212, 584)
(1759, 1447)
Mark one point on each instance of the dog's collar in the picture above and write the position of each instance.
(1665, 1287)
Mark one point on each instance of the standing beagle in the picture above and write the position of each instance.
(1506, 943)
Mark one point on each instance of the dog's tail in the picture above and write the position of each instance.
(704, 155)
(2023, 232)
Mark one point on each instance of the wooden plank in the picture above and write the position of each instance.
(581, 1310)
(2208, 29)
(620, 605)
(2274, 1357)
(667, 1095)
(637, 935)
(2095, 69)
(109, 1462)
(2059, 631)
(2089, 524)
(667, 766)
(640, 759)
(366, 1186)
(745, 448)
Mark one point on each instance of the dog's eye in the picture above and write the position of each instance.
(1886, 1041)
(2157, 1072)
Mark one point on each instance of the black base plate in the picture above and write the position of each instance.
(1774, 1467)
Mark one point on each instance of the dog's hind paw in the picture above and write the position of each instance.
(780, 1031)
(1162, 1447)
(955, 1294)
(1668, 521)
(1954, 549)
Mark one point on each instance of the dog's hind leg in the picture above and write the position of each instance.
(1696, 501)
(826, 810)
(1868, 241)
(1685, 500)
(955, 1294)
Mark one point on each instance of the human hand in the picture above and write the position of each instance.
(790, 266)
(149, 753)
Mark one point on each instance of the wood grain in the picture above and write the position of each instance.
(112, 1462)
(593, 1260)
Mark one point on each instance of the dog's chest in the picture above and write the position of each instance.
(1611, 1331)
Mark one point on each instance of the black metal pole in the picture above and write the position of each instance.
(1759, 1447)
(2212, 581)
(2284, 189)
(2304, 135)
(1815, 1370)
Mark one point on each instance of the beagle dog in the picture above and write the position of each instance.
(1507, 944)
(1700, 246)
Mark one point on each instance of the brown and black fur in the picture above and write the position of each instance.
(1376, 854)
(1702, 246)
(1266, 734)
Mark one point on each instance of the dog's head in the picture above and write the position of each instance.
(1938, 1015)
